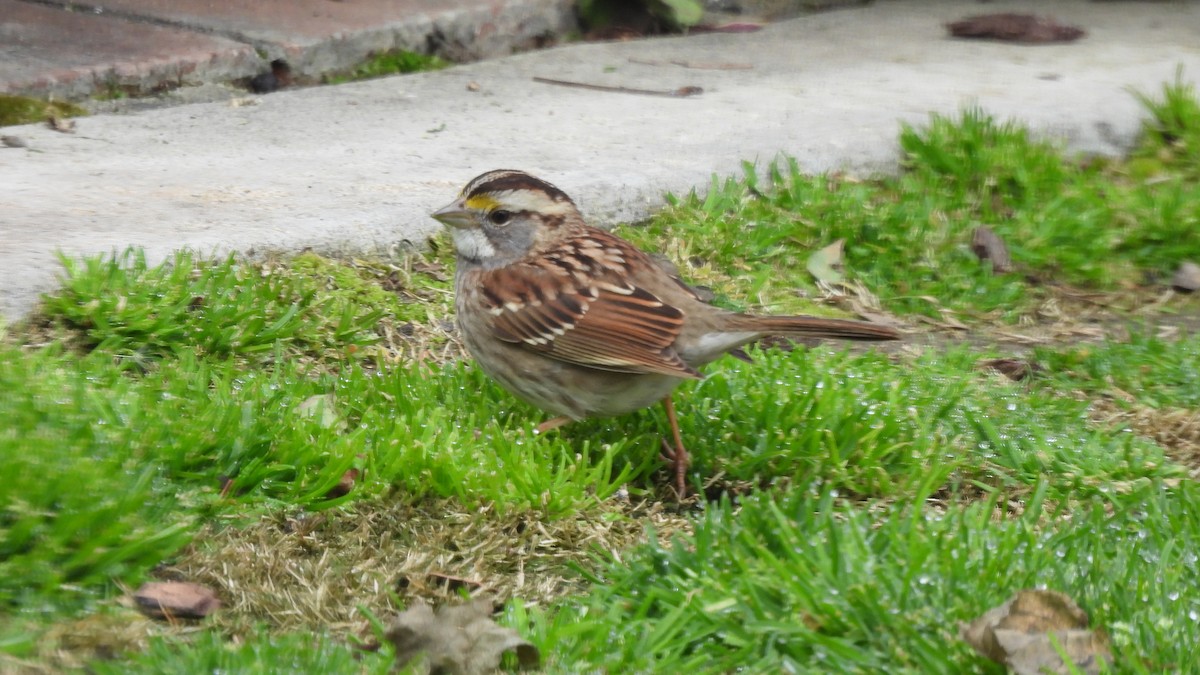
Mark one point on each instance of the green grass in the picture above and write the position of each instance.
(123, 306)
(1156, 372)
(1172, 139)
(395, 62)
(150, 448)
(293, 653)
(872, 428)
(858, 504)
(16, 110)
(1083, 224)
(78, 507)
(805, 582)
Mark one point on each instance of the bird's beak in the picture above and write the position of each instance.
(454, 215)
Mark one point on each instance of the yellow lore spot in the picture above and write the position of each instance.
(481, 203)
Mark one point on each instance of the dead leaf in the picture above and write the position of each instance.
(321, 407)
(472, 86)
(826, 264)
(433, 269)
(62, 124)
(1022, 633)
(1014, 369)
(733, 27)
(1013, 27)
(453, 583)
(456, 639)
(1187, 278)
(989, 247)
(864, 304)
(344, 485)
(873, 316)
(175, 600)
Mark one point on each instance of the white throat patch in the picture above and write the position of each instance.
(472, 243)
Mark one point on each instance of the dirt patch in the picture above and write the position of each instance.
(1177, 430)
(310, 571)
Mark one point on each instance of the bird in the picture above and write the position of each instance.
(579, 322)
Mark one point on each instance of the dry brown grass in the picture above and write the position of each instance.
(306, 571)
(312, 572)
(1177, 430)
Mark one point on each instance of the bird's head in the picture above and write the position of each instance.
(502, 216)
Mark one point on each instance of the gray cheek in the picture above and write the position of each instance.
(510, 241)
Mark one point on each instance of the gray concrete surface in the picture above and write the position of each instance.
(72, 49)
(318, 35)
(360, 166)
(46, 51)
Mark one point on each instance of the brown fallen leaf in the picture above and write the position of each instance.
(344, 485)
(453, 583)
(456, 639)
(62, 124)
(989, 247)
(432, 269)
(872, 313)
(826, 264)
(1014, 27)
(175, 600)
(733, 27)
(1186, 278)
(1013, 369)
(1022, 633)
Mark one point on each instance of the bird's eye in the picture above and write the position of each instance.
(500, 217)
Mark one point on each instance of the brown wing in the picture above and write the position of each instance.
(576, 304)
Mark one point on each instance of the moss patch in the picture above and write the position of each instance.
(16, 110)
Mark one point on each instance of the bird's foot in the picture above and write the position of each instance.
(680, 460)
(551, 425)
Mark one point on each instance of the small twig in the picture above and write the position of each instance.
(695, 65)
(682, 92)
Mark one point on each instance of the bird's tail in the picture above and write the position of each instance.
(811, 326)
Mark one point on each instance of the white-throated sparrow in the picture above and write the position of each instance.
(578, 322)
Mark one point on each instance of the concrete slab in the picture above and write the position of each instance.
(316, 36)
(360, 166)
(48, 50)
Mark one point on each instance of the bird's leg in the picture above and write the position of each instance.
(677, 456)
(551, 425)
